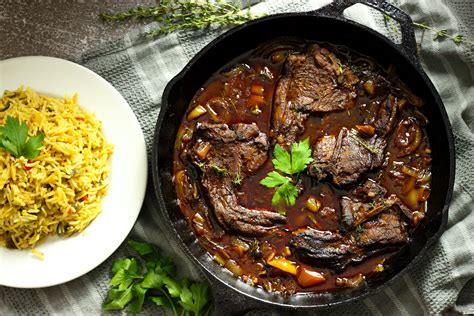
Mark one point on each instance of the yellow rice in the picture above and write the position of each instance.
(59, 192)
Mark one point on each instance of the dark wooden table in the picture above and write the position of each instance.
(59, 28)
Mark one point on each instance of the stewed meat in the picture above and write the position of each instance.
(369, 190)
(370, 201)
(330, 249)
(309, 84)
(388, 230)
(322, 248)
(386, 116)
(226, 155)
(346, 157)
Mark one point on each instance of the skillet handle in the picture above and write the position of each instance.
(408, 45)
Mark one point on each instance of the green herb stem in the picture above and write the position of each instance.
(363, 144)
(457, 39)
(175, 15)
(173, 307)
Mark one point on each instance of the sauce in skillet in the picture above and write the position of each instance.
(244, 92)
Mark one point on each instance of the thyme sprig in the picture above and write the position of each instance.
(438, 34)
(175, 15)
(457, 39)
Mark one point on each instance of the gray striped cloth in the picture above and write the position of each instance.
(140, 68)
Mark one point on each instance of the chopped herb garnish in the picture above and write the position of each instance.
(237, 180)
(290, 164)
(373, 204)
(364, 144)
(379, 268)
(14, 139)
(220, 171)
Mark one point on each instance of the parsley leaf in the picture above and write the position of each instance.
(287, 192)
(291, 164)
(282, 160)
(161, 301)
(300, 156)
(119, 299)
(195, 297)
(126, 272)
(274, 179)
(137, 305)
(141, 248)
(14, 139)
(172, 285)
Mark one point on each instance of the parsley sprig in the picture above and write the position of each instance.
(14, 139)
(133, 284)
(290, 164)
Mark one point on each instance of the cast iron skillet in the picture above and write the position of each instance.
(327, 24)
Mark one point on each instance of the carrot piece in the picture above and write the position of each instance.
(368, 130)
(307, 277)
(256, 99)
(369, 86)
(284, 265)
(257, 89)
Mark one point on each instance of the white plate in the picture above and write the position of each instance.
(69, 258)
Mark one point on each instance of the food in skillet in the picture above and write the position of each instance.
(54, 167)
(303, 166)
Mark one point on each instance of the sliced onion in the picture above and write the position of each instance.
(412, 199)
(423, 194)
(233, 267)
(196, 112)
(313, 204)
(417, 217)
(408, 185)
(408, 137)
(425, 177)
(350, 282)
(220, 109)
(410, 171)
(181, 180)
(355, 281)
